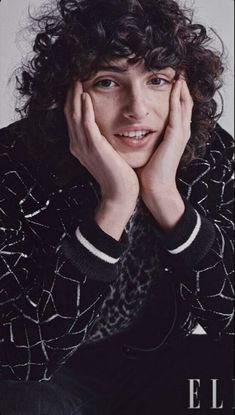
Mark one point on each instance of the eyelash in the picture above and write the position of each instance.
(98, 83)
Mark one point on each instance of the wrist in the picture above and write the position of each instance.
(112, 217)
(166, 206)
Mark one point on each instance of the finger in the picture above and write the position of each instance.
(73, 112)
(76, 109)
(76, 103)
(182, 76)
(89, 124)
(175, 107)
(175, 96)
(67, 105)
(88, 113)
(186, 103)
(68, 111)
(185, 94)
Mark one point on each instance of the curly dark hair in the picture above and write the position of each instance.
(77, 35)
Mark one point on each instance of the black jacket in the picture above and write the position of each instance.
(59, 290)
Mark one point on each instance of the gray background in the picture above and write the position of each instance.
(15, 43)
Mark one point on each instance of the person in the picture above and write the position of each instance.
(116, 216)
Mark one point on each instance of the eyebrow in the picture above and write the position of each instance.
(122, 69)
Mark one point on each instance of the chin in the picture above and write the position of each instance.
(136, 162)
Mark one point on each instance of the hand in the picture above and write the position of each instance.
(158, 176)
(160, 171)
(118, 181)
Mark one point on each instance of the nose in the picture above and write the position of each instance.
(135, 106)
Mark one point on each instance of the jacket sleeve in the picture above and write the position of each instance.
(199, 251)
(49, 298)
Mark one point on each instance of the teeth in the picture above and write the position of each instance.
(134, 134)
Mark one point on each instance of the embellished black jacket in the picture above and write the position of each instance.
(64, 282)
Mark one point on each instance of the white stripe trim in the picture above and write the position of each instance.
(91, 248)
(189, 241)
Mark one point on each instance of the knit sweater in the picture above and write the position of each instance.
(65, 282)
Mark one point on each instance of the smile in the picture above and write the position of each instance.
(134, 134)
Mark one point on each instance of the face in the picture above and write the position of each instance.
(131, 107)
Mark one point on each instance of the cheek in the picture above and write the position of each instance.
(164, 108)
(160, 104)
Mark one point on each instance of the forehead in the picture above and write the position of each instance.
(122, 65)
(119, 65)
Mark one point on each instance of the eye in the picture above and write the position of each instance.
(159, 81)
(105, 83)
